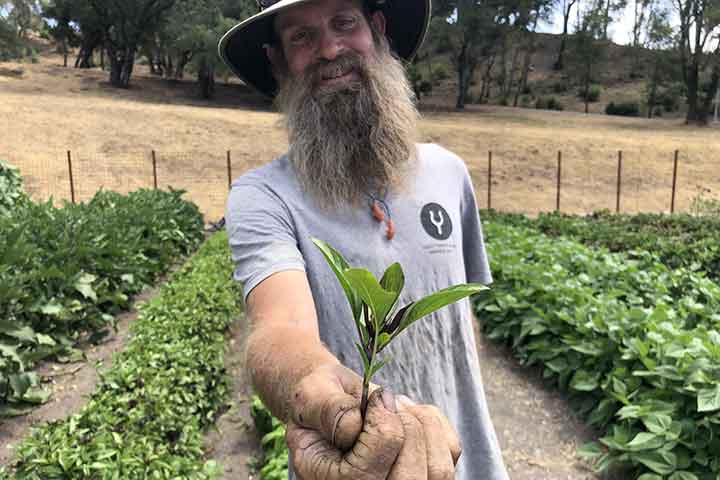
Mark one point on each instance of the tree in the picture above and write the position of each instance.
(641, 17)
(61, 11)
(188, 37)
(567, 6)
(478, 27)
(527, 25)
(588, 50)
(659, 42)
(126, 25)
(699, 27)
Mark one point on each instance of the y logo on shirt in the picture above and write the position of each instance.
(436, 221)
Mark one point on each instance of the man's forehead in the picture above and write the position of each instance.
(307, 10)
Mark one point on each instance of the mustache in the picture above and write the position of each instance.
(346, 62)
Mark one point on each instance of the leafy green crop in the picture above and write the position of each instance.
(147, 416)
(679, 240)
(633, 343)
(274, 464)
(65, 272)
(11, 189)
(375, 309)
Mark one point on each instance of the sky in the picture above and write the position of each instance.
(620, 30)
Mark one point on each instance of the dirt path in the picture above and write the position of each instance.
(536, 427)
(70, 384)
(234, 440)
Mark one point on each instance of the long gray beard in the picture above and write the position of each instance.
(346, 143)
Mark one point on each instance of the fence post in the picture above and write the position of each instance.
(674, 184)
(229, 170)
(72, 183)
(154, 170)
(619, 181)
(489, 179)
(559, 175)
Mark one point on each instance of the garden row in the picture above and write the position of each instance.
(633, 342)
(65, 272)
(147, 415)
(680, 240)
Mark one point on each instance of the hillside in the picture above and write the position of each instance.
(614, 79)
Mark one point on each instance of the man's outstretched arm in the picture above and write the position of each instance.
(305, 385)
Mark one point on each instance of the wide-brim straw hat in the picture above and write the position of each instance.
(241, 48)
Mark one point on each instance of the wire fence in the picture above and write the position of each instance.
(625, 181)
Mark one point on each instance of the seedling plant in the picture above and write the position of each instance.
(374, 306)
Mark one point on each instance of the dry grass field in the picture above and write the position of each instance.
(46, 109)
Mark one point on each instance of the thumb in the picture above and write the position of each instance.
(328, 401)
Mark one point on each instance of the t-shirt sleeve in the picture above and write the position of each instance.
(261, 235)
(477, 267)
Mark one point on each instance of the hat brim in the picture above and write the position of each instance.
(241, 48)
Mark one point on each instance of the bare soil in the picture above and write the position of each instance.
(70, 384)
(537, 430)
(233, 442)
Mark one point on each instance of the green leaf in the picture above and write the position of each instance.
(376, 367)
(649, 476)
(383, 340)
(683, 475)
(663, 463)
(657, 423)
(54, 309)
(21, 332)
(84, 286)
(393, 280)
(436, 301)
(365, 360)
(646, 441)
(591, 450)
(377, 298)
(20, 383)
(584, 382)
(339, 266)
(12, 352)
(43, 339)
(708, 399)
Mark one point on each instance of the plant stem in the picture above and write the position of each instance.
(366, 376)
(364, 400)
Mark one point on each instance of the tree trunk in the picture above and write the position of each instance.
(693, 82)
(559, 63)
(528, 60)
(65, 51)
(511, 77)
(487, 79)
(709, 95)
(122, 61)
(462, 67)
(102, 58)
(182, 63)
(206, 79)
(588, 75)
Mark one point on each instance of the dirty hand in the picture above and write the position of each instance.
(328, 440)
(432, 447)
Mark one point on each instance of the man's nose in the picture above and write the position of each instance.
(330, 46)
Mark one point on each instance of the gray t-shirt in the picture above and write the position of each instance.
(438, 242)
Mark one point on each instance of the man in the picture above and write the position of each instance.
(355, 177)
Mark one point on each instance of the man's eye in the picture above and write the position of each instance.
(299, 37)
(347, 23)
